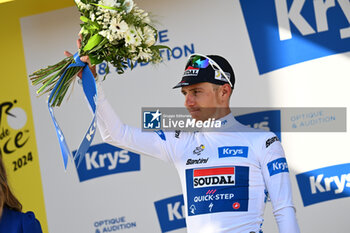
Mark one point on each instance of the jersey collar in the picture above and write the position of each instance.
(228, 123)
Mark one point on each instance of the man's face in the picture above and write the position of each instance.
(201, 100)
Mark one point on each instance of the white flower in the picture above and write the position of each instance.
(118, 27)
(114, 25)
(137, 40)
(106, 16)
(147, 20)
(100, 18)
(106, 20)
(128, 4)
(133, 55)
(132, 49)
(109, 3)
(92, 16)
(149, 36)
(145, 54)
(138, 35)
(138, 12)
(83, 31)
(104, 25)
(107, 34)
(82, 5)
(139, 32)
(103, 33)
(132, 37)
(129, 38)
(132, 30)
(123, 27)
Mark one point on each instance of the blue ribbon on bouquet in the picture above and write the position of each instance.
(90, 91)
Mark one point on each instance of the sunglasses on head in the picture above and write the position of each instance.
(197, 60)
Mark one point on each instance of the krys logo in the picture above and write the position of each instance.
(277, 166)
(171, 213)
(266, 120)
(279, 28)
(104, 159)
(13, 134)
(233, 151)
(324, 184)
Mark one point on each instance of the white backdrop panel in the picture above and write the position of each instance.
(211, 27)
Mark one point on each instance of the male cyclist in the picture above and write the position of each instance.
(226, 174)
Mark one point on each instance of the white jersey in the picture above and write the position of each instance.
(225, 176)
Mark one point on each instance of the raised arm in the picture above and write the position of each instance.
(115, 132)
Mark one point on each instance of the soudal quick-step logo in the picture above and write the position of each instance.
(213, 177)
(233, 151)
(104, 159)
(279, 28)
(191, 71)
(324, 184)
(217, 189)
(171, 213)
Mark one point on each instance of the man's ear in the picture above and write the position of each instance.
(226, 90)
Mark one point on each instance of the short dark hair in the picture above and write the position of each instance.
(216, 87)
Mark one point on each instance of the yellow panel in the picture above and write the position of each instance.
(17, 135)
(3, 1)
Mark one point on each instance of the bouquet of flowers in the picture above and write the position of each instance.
(112, 31)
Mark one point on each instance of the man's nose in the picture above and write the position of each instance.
(189, 100)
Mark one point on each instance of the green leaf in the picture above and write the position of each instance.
(95, 60)
(84, 19)
(100, 45)
(93, 41)
(161, 47)
(90, 24)
(90, 28)
(107, 72)
(107, 7)
(107, 69)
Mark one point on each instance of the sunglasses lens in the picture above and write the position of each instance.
(199, 62)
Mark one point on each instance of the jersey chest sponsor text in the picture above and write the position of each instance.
(217, 189)
(213, 177)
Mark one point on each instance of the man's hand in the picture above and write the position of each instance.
(83, 59)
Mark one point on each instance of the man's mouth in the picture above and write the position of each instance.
(193, 110)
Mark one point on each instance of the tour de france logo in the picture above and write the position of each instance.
(13, 134)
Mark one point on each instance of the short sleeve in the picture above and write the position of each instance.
(30, 224)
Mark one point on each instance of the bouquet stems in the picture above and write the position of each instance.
(50, 76)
